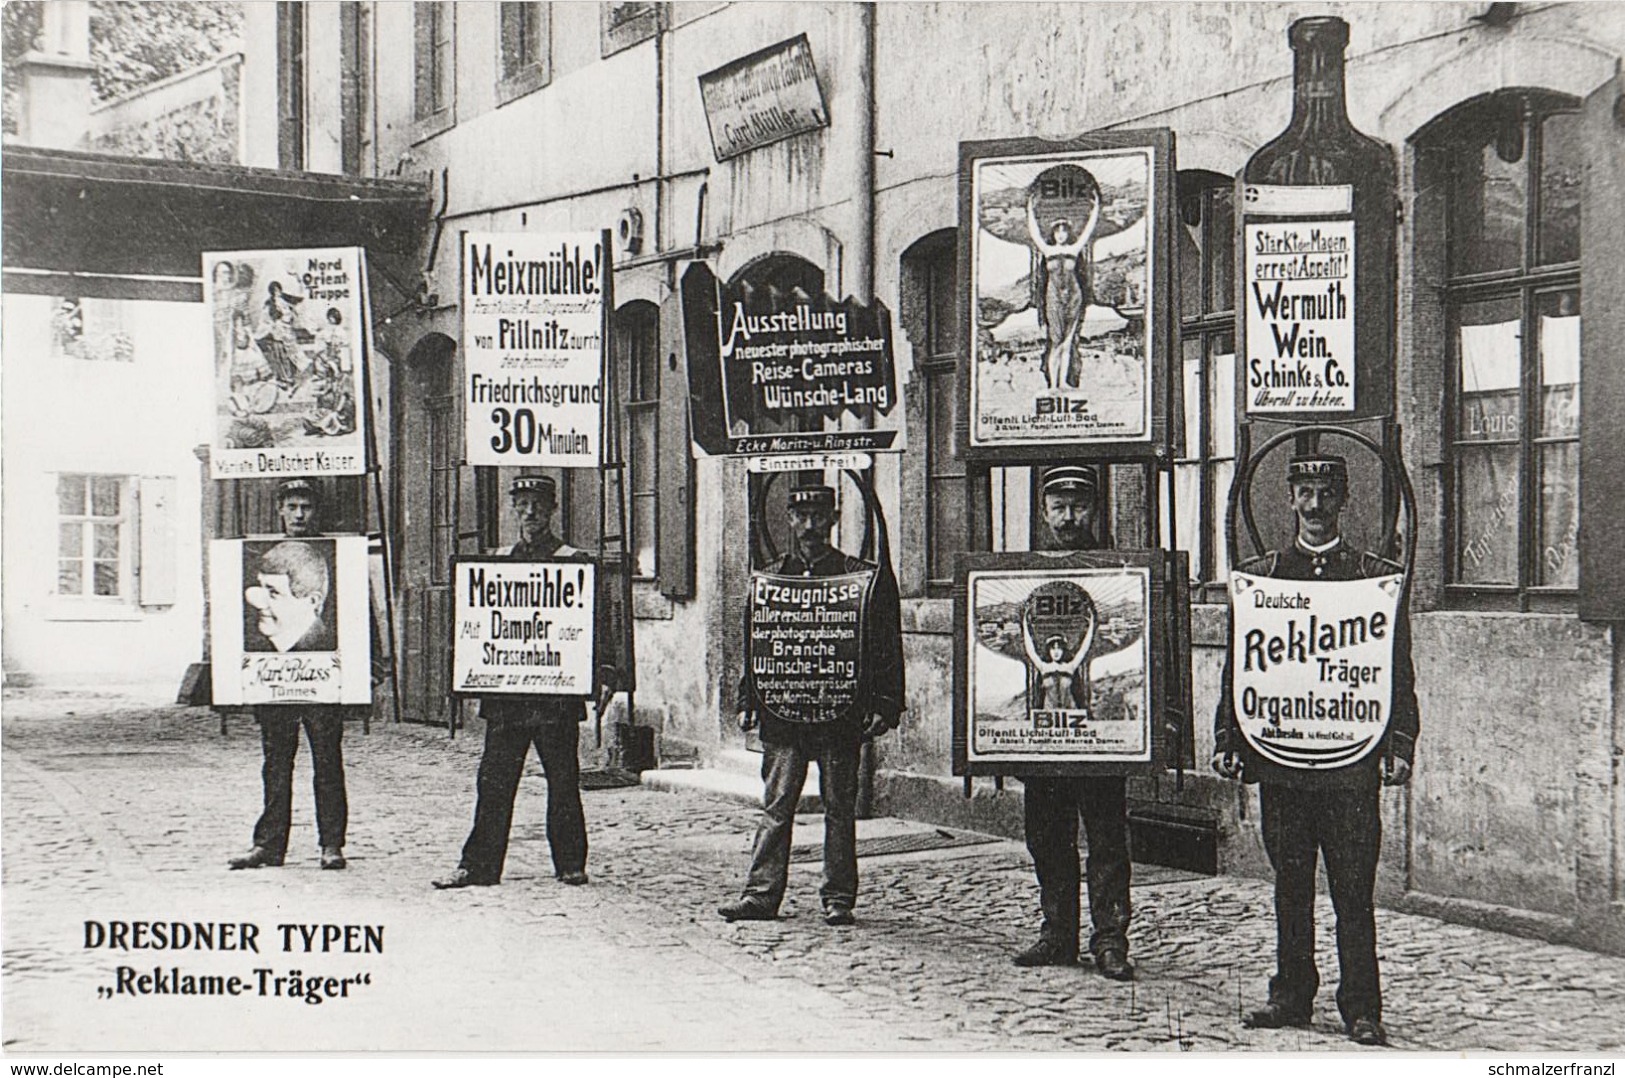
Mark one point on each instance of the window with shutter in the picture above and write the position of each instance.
(929, 312)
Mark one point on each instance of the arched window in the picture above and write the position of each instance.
(1207, 340)
(1503, 240)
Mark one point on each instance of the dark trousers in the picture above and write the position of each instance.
(501, 765)
(784, 772)
(1052, 807)
(279, 738)
(1346, 826)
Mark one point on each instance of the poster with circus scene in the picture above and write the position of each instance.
(1066, 271)
(1057, 666)
(290, 341)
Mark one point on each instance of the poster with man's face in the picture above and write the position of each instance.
(302, 634)
(288, 600)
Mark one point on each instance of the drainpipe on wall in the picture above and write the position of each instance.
(863, 274)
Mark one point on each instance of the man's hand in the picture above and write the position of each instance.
(1395, 772)
(747, 721)
(875, 725)
(1227, 764)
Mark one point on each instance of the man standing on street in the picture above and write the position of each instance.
(1052, 805)
(513, 724)
(836, 746)
(1306, 813)
(298, 506)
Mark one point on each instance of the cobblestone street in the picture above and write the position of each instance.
(120, 813)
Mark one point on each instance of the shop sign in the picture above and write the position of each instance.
(291, 340)
(533, 346)
(1313, 664)
(291, 620)
(523, 628)
(765, 97)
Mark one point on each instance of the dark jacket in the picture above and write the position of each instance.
(1341, 562)
(883, 693)
(535, 708)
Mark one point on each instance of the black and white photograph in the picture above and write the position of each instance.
(773, 534)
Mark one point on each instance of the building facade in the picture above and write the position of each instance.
(1505, 122)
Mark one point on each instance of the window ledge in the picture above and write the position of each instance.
(648, 604)
(62, 609)
(933, 617)
(527, 81)
(428, 127)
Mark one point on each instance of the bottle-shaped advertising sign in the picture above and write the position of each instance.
(1316, 236)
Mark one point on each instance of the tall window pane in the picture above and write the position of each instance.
(637, 346)
(1558, 510)
(1489, 195)
(1206, 322)
(1510, 167)
(1561, 165)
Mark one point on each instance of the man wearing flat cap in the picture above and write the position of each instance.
(1051, 804)
(836, 746)
(1306, 814)
(515, 724)
(292, 592)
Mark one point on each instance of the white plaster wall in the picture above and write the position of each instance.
(140, 419)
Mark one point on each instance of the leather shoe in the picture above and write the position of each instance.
(333, 857)
(1114, 965)
(462, 877)
(1047, 953)
(835, 916)
(1273, 1015)
(258, 857)
(575, 877)
(1368, 1031)
(746, 910)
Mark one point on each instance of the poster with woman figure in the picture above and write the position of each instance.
(1055, 662)
(1064, 329)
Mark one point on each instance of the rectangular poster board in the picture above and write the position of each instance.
(534, 325)
(1062, 664)
(1298, 296)
(291, 620)
(1066, 264)
(523, 628)
(291, 341)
